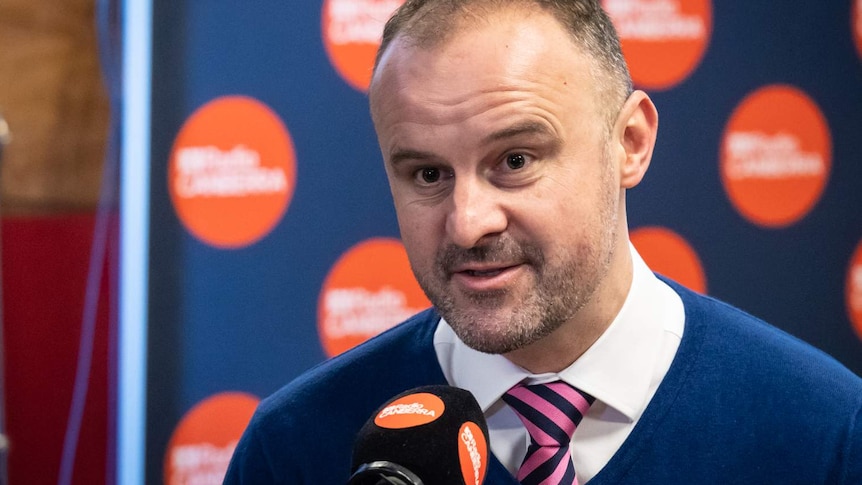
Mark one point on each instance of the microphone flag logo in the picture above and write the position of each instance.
(410, 411)
(472, 453)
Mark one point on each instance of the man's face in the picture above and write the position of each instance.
(496, 150)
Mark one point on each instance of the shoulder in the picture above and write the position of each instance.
(743, 351)
(744, 338)
(759, 393)
(305, 430)
(396, 357)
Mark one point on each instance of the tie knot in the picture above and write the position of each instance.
(551, 412)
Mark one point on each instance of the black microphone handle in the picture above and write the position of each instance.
(384, 473)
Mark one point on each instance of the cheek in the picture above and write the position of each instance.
(420, 252)
(419, 233)
(560, 222)
(552, 206)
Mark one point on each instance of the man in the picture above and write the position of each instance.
(510, 133)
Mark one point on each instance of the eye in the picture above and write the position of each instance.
(516, 161)
(429, 175)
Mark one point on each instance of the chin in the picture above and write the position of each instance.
(486, 334)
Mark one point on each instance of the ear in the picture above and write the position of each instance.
(635, 130)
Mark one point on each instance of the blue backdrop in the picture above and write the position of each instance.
(246, 319)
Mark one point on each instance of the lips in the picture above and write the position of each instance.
(486, 278)
(498, 264)
(484, 273)
(483, 268)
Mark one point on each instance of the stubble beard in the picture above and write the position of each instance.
(501, 321)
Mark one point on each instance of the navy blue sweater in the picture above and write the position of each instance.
(742, 402)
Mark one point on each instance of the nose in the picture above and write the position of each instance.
(475, 212)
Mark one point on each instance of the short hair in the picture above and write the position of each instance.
(430, 22)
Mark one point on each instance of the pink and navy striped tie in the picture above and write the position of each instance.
(551, 412)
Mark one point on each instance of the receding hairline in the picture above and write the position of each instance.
(427, 24)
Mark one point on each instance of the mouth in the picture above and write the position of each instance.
(502, 264)
(481, 279)
(485, 273)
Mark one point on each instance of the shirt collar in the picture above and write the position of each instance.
(616, 369)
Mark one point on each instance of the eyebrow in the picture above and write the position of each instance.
(524, 128)
(402, 154)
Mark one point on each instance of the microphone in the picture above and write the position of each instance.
(430, 435)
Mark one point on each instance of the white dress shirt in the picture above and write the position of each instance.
(622, 370)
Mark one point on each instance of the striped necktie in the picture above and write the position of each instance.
(551, 412)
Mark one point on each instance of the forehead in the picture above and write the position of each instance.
(509, 55)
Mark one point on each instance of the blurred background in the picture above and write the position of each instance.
(53, 97)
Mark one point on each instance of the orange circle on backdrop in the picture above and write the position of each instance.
(352, 30)
(668, 254)
(856, 19)
(232, 171)
(853, 290)
(202, 444)
(775, 156)
(663, 41)
(369, 289)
